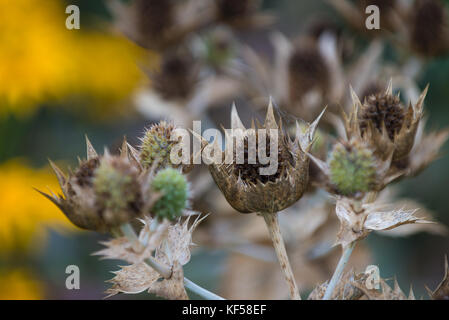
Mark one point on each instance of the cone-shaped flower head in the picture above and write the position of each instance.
(385, 124)
(174, 194)
(104, 192)
(253, 185)
(352, 168)
(157, 145)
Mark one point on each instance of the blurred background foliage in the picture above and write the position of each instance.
(57, 85)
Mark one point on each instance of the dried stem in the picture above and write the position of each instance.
(339, 270)
(166, 271)
(271, 220)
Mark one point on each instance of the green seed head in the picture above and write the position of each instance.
(115, 185)
(157, 145)
(352, 169)
(173, 186)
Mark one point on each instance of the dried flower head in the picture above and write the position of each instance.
(174, 189)
(157, 144)
(429, 34)
(176, 78)
(243, 185)
(105, 191)
(385, 123)
(232, 10)
(307, 70)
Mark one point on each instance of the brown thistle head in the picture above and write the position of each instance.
(245, 185)
(385, 124)
(153, 17)
(176, 78)
(105, 191)
(232, 10)
(307, 70)
(429, 30)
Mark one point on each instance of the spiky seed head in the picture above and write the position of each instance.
(117, 190)
(428, 27)
(307, 70)
(157, 145)
(176, 78)
(174, 189)
(383, 109)
(352, 169)
(245, 187)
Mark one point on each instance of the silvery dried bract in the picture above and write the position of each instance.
(168, 244)
(387, 126)
(243, 185)
(358, 220)
(363, 286)
(105, 191)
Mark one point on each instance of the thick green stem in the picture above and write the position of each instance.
(339, 270)
(165, 271)
(271, 220)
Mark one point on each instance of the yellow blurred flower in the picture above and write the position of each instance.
(19, 285)
(25, 214)
(40, 59)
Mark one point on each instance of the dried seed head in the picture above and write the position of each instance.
(103, 193)
(176, 78)
(117, 190)
(383, 109)
(153, 17)
(352, 169)
(246, 188)
(307, 70)
(428, 27)
(250, 172)
(229, 10)
(174, 188)
(157, 145)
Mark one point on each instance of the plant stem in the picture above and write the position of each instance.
(339, 270)
(165, 271)
(192, 286)
(271, 220)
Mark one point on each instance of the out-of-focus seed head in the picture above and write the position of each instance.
(176, 78)
(153, 17)
(352, 169)
(157, 145)
(174, 189)
(307, 70)
(229, 10)
(428, 25)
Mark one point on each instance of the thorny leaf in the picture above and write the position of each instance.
(442, 291)
(357, 221)
(172, 288)
(134, 278)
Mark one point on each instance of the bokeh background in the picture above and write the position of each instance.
(56, 85)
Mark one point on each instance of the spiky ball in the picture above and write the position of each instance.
(117, 190)
(352, 169)
(174, 188)
(383, 109)
(157, 145)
